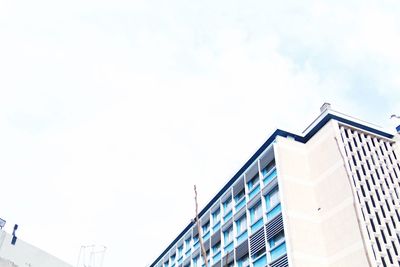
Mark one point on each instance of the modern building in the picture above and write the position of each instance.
(17, 253)
(327, 197)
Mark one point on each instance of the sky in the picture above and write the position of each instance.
(110, 111)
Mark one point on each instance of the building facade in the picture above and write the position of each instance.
(328, 197)
(17, 253)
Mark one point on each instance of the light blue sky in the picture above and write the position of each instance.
(102, 100)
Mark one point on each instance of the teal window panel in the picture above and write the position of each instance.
(217, 257)
(240, 204)
(257, 225)
(206, 236)
(278, 251)
(216, 227)
(228, 216)
(254, 191)
(275, 211)
(242, 237)
(268, 177)
(272, 198)
(229, 247)
(252, 182)
(260, 262)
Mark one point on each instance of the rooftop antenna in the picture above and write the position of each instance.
(14, 237)
(91, 256)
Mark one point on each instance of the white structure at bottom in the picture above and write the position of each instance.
(23, 254)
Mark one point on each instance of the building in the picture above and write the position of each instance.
(328, 197)
(17, 253)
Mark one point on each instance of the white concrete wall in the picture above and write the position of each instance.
(318, 205)
(25, 255)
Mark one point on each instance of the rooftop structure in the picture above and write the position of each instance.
(14, 252)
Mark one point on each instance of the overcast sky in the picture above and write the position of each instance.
(110, 110)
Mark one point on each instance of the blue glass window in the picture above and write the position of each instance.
(241, 225)
(206, 227)
(272, 198)
(269, 172)
(272, 202)
(196, 243)
(216, 247)
(195, 261)
(239, 196)
(240, 200)
(256, 217)
(180, 250)
(253, 182)
(228, 236)
(255, 213)
(243, 262)
(227, 205)
(260, 262)
(277, 245)
(227, 209)
(216, 216)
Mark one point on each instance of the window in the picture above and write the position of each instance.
(252, 182)
(228, 236)
(216, 216)
(216, 248)
(195, 239)
(241, 225)
(269, 167)
(277, 245)
(173, 258)
(272, 198)
(255, 213)
(187, 243)
(258, 254)
(195, 261)
(227, 205)
(206, 227)
(180, 250)
(277, 239)
(166, 264)
(243, 261)
(239, 196)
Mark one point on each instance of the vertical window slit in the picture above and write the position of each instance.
(377, 218)
(373, 225)
(378, 243)
(377, 195)
(390, 256)
(383, 262)
(388, 229)
(383, 237)
(394, 248)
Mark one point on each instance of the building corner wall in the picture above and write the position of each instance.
(318, 203)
